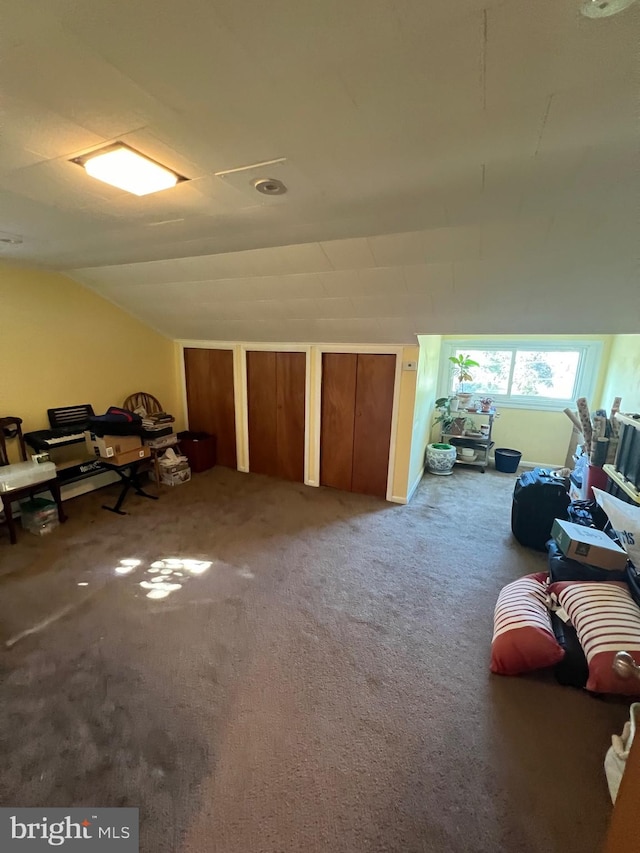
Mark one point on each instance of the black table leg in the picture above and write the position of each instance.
(129, 481)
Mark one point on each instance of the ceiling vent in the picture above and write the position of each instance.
(270, 186)
(11, 239)
(604, 8)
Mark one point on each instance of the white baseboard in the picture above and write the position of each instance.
(415, 484)
(524, 463)
(396, 499)
(400, 499)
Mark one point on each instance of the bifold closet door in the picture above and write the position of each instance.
(210, 398)
(357, 406)
(261, 401)
(375, 382)
(291, 370)
(276, 402)
(338, 416)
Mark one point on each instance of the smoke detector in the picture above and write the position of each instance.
(11, 239)
(604, 8)
(270, 186)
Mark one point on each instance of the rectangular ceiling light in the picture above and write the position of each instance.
(125, 168)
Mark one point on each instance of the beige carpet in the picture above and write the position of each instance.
(324, 686)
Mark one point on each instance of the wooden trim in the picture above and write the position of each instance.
(394, 425)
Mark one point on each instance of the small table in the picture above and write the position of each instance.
(130, 480)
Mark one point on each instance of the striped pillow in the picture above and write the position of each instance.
(523, 639)
(607, 620)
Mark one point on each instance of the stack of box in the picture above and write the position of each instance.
(39, 516)
(174, 469)
(157, 431)
(117, 449)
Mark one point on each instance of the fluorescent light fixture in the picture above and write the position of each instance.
(128, 170)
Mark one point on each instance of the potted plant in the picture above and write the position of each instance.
(461, 365)
(486, 403)
(444, 415)
(471, 428)
(440, 456)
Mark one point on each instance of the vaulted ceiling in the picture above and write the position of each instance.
(464, 166)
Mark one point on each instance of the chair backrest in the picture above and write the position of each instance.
(11, 428)
(150, 404)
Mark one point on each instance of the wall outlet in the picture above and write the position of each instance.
(410, 365)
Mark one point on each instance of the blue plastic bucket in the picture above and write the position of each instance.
(507, 460)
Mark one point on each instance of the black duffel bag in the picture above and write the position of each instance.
(563, 568)
(116, 421)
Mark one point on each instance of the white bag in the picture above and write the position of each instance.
(625, 520)
(616, 758)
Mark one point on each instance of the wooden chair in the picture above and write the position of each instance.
(141, 399)
(12, 428)
(152, 406)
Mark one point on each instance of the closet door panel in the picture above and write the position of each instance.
(261, 400)
(290, 400)
(210, 398)
(375, 382)
(337, 419)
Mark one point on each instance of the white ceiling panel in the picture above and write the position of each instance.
(436, 245)
(442, 160)
(429, 278)
(348, 254)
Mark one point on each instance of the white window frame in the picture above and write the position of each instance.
(586, 374)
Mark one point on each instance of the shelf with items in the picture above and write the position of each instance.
(479, 463)
(481, 443)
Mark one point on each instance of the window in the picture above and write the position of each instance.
(525, 374)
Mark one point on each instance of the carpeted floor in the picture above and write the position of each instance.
(323, 686)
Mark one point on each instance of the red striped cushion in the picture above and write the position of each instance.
(523, 639)
(607, 620)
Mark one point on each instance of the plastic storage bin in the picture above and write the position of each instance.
(23, 474)
(507, 460)
(199, 448)
(39, 516)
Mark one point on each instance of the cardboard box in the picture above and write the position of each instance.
(173, 477)
(176, 478)
(108, 446)
(130, 456)
(588, 545)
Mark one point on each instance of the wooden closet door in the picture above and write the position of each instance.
(375, 382)
(337, 419)
(210, 398)
(262, 406)
(290, 397)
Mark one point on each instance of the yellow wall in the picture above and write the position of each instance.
(61, 344)
(541, 436)
(406, 404)
(623, 374)
(425, 397)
